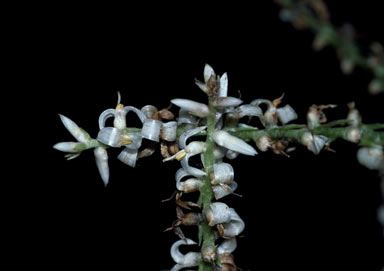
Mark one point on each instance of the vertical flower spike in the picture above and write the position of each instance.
(224, 139)
(101, 157)
(190, 259)
(75, 130)
(222, 190)
(194, 108)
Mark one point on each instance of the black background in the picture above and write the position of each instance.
(305, 212)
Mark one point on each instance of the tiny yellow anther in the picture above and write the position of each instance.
(119, 107)
(180, 155)
(126, 142)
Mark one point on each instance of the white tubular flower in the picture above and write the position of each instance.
(227, 246)
(187, 134)
(270, 115)
(222, 190)
(190, 259)
(286, 114)
(372, 158)
(194, 108)
(314, 143)
(188, 186)
(224, 139)
(101, 157)
(235, 226)
(223, 173)
(218, 213)
(75, 130)
(151, 129)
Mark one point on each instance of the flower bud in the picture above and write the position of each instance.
(222, 102)
(372, 158)
(194, 108)
(101, 157)
(72, 147)
(75, 130)
(353, 134)
(224, 139)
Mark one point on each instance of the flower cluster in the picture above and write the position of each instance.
(212, 135)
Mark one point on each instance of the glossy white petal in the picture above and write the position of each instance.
(190, 185)
(151, 129)
(188, 260)
(134, 140)
(195, 108)
(227, 246)
(128, 157)
(72, 147)
(223, 90)
(110, 136)
(149, 110)
(224, 139)
(187, 134)
(220, 191)
(75, 130)
(138, 112)
(198, 173)
(202, 86)
(235, 226)
(218, 213)
(223, 173)
(168, 131)
(208, 72)
(109, 113)
(286, 114)
(101, 158)
(185, 117)
(249, 110)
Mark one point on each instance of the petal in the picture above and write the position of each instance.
(109, 113)
(110, 136)
(198, 109)
(227, 246)
(220, 191)
(223, 173)
(128, 157)
(187, 134)
(168, 131)
(224, 139)
(198, 173)
(218, 213)
(286, 114)
(149, 110)
(223, 90)
(75, 130)
(176, 255)
(202, 86)
(235, 226)
(151, 129)
(101, 157)
(249, 110)
(138, 112)
(231, 154)
(208, 72)
(185, 117)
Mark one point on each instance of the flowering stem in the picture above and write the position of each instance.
(206, 234)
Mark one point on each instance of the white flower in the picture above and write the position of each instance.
(218, 213)
(224, 139)
(372, 158)
(102, 163)
(314, 143)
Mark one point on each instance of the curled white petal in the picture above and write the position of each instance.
(101, 158)
(235, 226)
(185, 117)
(222, 102)
(198, 109)
(218, 213)
(188, 260)
(128, 157)
(314, 143)
(249, 110)
(258, 102)
(72, 147)
(286, 114)
(190, 185)
(227, 246)
(208, 72)
(110, 136)
(222, 190)
(191, 132)
(149, 110)
(168, 130)
(75, 130)
(372, 158)
(198, 173)
(109, 113)
(195, 147)
(223, 90)
(223, 173)
(138, 112)
(151, 129)
(224, 139)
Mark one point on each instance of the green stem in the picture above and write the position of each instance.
(206, 234)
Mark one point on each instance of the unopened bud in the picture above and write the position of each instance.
(263, 143)
(353, 135)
